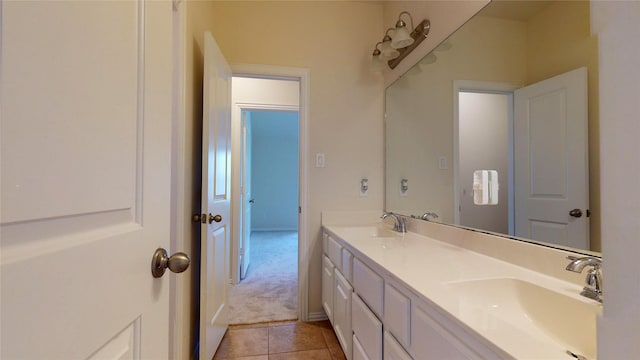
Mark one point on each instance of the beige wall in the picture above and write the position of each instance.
(559, 40)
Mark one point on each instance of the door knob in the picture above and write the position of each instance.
(216, 218)
(177, 263)
(576, 213)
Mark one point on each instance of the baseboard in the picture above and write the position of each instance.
(317, 316)
(274, 229)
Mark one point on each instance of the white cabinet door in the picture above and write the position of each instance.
(393, 350)
(358, 351)
(86, 99)
(367, 328)
(397, 314)
(429, 340)
(327, 287)
(342, 312)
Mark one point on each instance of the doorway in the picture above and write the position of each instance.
(485, 122)
(483, 140)
(265, 252)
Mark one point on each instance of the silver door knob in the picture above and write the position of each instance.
(216, 218)
(575, 213)
(177, 263)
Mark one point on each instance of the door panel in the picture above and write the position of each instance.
(216, 170)
(551, 171)
(246, 198)
(85, 178)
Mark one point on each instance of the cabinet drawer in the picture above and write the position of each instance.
(335, 252)
(369, 285)
(347, 265)
(393, 350)
(367, 328)
(397, 314)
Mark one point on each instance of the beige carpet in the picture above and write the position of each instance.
(269, 292)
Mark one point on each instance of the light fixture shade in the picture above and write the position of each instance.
(377, 64)
(387, 52)
(401, 37)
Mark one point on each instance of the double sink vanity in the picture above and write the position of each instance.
(442, 292)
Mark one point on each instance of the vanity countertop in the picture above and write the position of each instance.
(438, 270)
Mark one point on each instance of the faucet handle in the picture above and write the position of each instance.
(572, 258)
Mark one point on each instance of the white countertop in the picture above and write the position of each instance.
(428, 267)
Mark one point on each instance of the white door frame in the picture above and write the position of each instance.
(302, 76)
(480, 87)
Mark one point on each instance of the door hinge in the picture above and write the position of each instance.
(299, 209)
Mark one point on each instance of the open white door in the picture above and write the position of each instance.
(216, 186)
(86, 120)
(551, 160)
(245, 197)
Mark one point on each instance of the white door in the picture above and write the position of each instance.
(86, 118)
(216, 185)
(245, 198)
(551, 168)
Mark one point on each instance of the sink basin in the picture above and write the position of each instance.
(568, 321)
(378, 232)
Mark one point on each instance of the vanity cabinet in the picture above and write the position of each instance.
(375, 316)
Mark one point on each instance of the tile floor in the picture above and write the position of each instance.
(291, 340)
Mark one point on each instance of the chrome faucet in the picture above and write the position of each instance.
(593, 287)
(399, 224)
(426, 215)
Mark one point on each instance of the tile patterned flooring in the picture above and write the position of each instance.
(289, 340)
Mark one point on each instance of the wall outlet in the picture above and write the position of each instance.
(442, 163)
(320, 160)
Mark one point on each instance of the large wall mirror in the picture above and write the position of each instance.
(497, 128)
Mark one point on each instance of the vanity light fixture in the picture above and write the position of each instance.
(387, 52)
(395, 48)
(401, 37)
